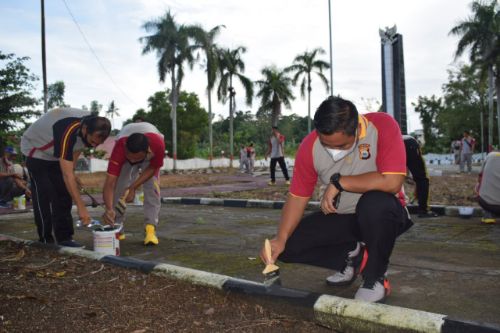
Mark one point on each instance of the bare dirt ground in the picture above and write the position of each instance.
(41, 291)
(449, 189)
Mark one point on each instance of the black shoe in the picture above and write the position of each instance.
(427, 214)
(70, 243)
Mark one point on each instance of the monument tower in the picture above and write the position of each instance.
(393, 76)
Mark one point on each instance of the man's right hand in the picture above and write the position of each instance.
(84, 215)
(109, 216)
(277, 247)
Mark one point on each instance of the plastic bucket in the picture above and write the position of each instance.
(19, 203)
(106, 241)
(465, 211)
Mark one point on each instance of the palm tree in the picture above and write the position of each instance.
(206, 41)
(480, 33)
(112, 112)
(304, 65)
(171, 42)
(275, 89)
(231, 65)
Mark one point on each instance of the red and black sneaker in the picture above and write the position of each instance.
(355, 264)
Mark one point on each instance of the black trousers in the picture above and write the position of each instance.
(416, 164)
(51, 201)
(493, 209)
(324, 240)
(281, 162)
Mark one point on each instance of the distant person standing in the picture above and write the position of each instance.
(243, 159)
(488, 187)
(276, 150)
(251, 158)
(466, 151)
(455, 150)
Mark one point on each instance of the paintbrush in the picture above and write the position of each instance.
(94, 201)
(121, 205)
(271, 271)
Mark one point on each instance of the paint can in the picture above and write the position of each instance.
(19, 203)
(106, 240)
(139, 198)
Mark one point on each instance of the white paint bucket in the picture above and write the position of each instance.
(139, 199)
(106, 241)
(19, 203)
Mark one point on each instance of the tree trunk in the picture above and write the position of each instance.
(497, 86)
(231, 143)
(490, 108)
(173, 115)
(210, 139)
(276, 110)
(309, 104)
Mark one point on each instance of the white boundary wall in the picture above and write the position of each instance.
(97, 165)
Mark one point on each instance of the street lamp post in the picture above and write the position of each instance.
(331, 61)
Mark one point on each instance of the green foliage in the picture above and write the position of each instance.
(465, 98)
(445, 119)
(16, 101)
(428, 109)
(95, 107)
(55, 95)
(191, 117)
(275, 89)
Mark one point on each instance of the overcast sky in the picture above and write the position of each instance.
(273, 31)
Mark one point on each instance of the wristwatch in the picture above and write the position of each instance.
(335, 180)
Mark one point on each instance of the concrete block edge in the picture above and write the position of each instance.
(254, 203)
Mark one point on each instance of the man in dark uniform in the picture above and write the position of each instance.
(416, 165)
(52, 145)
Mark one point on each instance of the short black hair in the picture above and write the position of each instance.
(137, 143)
(99, 125)
(275, 127)
(336, 114)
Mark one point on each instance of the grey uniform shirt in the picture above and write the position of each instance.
(54, 135)
(490, 183)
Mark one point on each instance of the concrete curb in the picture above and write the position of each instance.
(345, 315)
(312, 205)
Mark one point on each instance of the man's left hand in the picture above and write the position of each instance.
(326, 205)
(131, 195)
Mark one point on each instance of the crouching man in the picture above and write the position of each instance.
(361, 160)
(136, 161)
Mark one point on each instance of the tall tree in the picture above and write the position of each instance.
(231, 66)
(304, 65)
(95, 107)
(171, 43)
(206, 41)
(16, 100)
(428, 109)
(275, 89)
(480, 33)
(112, 111)
(55, 94)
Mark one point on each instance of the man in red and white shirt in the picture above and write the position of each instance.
(361, 160)
(136, 161)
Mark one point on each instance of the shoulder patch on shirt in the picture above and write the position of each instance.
(364, 151)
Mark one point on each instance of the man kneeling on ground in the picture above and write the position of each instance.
(361, 160)
(136, 161)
